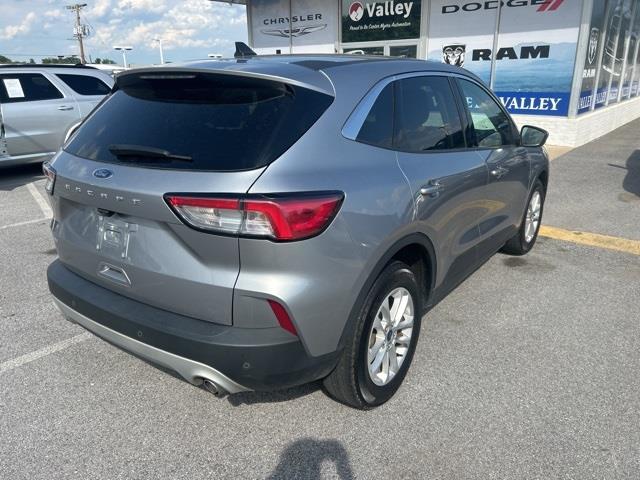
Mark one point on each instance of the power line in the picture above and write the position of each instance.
(80, 31)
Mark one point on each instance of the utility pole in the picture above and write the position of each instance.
(79, 31)
(159, 40)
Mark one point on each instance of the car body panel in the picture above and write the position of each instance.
(139, 247)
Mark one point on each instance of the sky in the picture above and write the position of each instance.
(189, 29)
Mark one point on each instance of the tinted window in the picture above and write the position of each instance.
(26, 87)
(426, 116)
(84, 84)
(219, 122)
(378, 126)
(491, 124)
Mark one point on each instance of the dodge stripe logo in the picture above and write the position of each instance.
(550, 5)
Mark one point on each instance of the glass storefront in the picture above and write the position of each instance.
(611, 67)
(526, 50)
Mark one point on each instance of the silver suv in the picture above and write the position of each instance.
(41, 104)
(260, 223)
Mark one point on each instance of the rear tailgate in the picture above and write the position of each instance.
(179, 132)
(119, 233)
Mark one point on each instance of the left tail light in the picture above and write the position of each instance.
(280, 217)
(50, 173)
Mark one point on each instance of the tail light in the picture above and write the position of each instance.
(50, 173)
(281, 218)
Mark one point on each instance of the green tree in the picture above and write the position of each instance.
(56, 60)
(4, 59)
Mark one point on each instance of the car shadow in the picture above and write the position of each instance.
(304, 458)
(631, 182)
(276, 396)
(20, 175)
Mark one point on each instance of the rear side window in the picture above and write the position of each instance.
(426, 116)
(491, 125)
(85, 84)
(378, 126)
(26, 87)
(198, 121)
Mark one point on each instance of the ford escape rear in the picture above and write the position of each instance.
(261, 223)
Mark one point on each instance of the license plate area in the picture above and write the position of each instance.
(114, 237)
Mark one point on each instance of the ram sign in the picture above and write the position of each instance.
(537, 42)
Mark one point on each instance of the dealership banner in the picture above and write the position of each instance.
(367, 21)
(595, 40)
(535, 54)
(312, 22)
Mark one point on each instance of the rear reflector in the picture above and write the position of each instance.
(282, 218)
(283, 317)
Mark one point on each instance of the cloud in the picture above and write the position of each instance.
(188, 28)
(190, 23)
(11, 31)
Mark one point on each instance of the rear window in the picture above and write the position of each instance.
(85, 84)
(197, 121)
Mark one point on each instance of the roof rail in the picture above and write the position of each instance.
(43, 65)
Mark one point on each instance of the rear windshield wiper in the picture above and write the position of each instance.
(142, 152)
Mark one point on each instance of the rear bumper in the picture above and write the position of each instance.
(237, 359)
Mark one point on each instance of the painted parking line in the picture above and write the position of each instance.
(40, 200)
(592, 239)
(26, 222)
(43, 352)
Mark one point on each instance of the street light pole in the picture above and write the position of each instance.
(159, 40)
(124, 54)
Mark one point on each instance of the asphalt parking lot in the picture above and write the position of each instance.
(528, 370)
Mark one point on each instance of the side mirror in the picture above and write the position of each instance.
(533, 136)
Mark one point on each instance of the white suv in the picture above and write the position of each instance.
(41, 104)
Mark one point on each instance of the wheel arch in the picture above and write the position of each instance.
(543, 176)
(418, 252)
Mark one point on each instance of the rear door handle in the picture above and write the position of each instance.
(433, 189)
(499, 172)
(65, 107)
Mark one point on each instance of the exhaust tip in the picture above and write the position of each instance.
(214, 388)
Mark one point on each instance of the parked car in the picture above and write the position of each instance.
(267, 222)
(41, 104)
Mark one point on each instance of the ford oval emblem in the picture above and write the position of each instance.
(102, 173)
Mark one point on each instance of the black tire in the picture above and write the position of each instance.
(518, 244)
(350, 382)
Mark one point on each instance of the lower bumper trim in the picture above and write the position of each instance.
(192, 371)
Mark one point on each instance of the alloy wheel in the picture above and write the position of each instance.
(390, 336)
(532, 220)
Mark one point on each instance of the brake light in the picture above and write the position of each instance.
(50, 173)
(282, 218)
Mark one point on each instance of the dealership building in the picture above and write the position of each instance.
(570, 66)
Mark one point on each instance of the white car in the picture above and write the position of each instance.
(41, 104)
